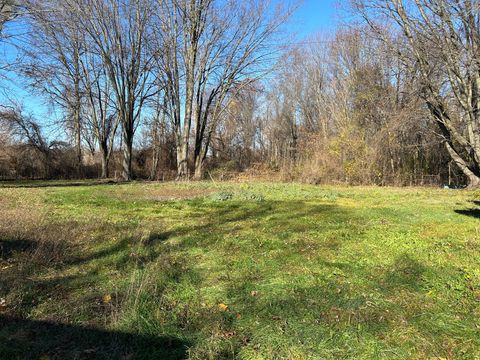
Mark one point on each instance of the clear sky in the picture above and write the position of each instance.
(315, 16)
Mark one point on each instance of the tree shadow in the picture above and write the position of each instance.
(220, 221)
(381, 300)
(29, 339)
(22, 284)
(10, 247)
(209, 223)
(118, 247)
(405, 273)
(475, 213)
(472, 212)
(334, 302)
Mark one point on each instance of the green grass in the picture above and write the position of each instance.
(240, 271)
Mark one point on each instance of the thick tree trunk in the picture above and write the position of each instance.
(182, 146)
(127, 155)
(197, 158)
(473, 182)
(199, 174)
(473, 178)
(105, 161)
(201, 150)
(182, 161)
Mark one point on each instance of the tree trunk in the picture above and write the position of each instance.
(77, 105)
(48, 166)
(473, 178)
(105, 161)
(155, 160)
(473, 182)
(198, 168)
(78, 140)
(201, 150)
(182, 147)
(182, 161)
(127, 155)
(197, 156)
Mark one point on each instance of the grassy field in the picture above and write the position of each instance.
(239, 271)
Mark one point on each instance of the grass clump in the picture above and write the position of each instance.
(223, 196)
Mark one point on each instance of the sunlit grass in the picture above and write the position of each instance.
(304, 272)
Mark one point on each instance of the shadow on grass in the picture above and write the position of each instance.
(10, 247)
(473, 212)
(334, 309)
(333, 299)
(25, 289)
(340, 301)
(221, 221)
(57, 294)
(405, 273)
(28, 339)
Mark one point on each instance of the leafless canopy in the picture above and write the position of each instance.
(440, 42)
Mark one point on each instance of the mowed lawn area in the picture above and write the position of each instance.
(238, 271)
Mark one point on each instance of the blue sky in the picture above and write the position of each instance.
(315, 16)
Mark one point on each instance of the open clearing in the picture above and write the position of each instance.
(244, 271)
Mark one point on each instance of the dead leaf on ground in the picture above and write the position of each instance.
(223, 307)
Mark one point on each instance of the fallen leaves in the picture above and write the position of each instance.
(107, 298)
(223, 307)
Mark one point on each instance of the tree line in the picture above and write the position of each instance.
(194, 88)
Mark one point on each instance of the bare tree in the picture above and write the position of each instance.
(118, 30)
(440, 43)
(25, 129)
(53, 64)
(211, 46)
(180, 30)
(236, 136)
(101, 117)
(157, 129)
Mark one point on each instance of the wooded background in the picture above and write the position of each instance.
(180, 89)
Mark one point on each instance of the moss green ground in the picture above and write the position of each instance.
(240, 271)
